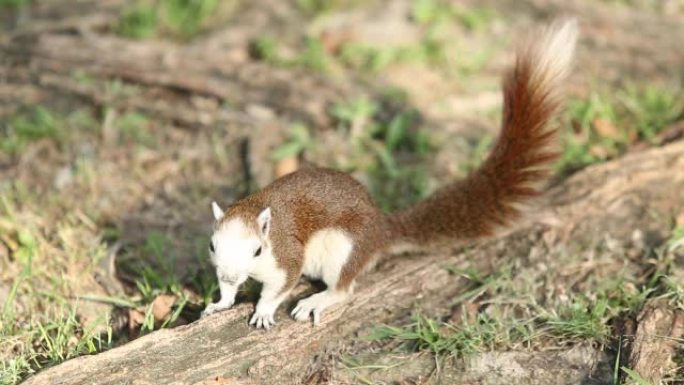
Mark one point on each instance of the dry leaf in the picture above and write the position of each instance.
(465, 312)
(286, 166)
(679, 220)
(135, 319)
(599, 151)
(332, 41)
(161, 306)
(632, 136)
(606, 128)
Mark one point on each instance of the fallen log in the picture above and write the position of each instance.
(612, 198)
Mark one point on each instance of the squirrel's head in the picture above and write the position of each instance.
(239, 244)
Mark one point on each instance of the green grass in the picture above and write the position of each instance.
(31, 339)
(500, 327)
(319, 7)
(312, 54)
(634, 376)
(138, 22)
(134, 127)
(388, 147)
(431, 12)
(510, 315)
(265, 48)
(46, 342)
(437, 337)
(299, 140)
(181, 19)
(14, 3)
(27, 127)
(38, 124)
(51, 246)
(432, 49)
(185, 17)
(604, 125)
(478, 154)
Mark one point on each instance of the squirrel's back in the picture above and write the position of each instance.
(312, 199)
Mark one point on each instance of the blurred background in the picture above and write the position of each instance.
(120, 121)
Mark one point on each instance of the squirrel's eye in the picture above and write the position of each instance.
(257, 252)
(211, 246)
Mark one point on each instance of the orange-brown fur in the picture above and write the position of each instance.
(313, 199)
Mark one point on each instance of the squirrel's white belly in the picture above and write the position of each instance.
(325, 254)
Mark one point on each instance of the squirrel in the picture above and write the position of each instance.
(323, 224)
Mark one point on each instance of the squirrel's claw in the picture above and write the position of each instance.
(262, 320)
(215, 308)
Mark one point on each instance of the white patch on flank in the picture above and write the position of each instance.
(325, 254)
(551, 54)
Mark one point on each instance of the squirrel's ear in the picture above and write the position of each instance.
(264, 221)
(218, 213)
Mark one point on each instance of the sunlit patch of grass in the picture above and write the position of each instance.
(433, 16)
(581, 320)
(56, 294)
(506, 312)
(29, 345)
(39, 318)
(438, 337)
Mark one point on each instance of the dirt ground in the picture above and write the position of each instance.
(118, 132)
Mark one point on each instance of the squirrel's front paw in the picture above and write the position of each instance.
(215, 308)
(262, 319)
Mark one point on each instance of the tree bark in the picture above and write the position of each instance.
(659, 333)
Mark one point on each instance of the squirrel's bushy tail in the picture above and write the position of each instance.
(489, 197)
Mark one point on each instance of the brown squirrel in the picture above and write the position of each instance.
(323, 224)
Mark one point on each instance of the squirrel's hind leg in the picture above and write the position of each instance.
(316, 303)
(328, 256)
(340, 285)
